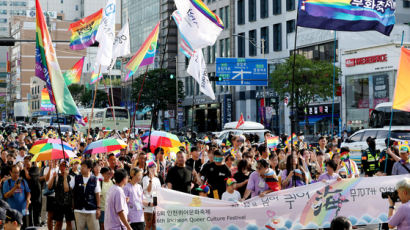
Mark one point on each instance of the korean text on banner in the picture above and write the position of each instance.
(308, 207)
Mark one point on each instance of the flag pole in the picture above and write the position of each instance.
(292, 117)
(334, 79)
(391, 115)
(92, 107)
(112, 100)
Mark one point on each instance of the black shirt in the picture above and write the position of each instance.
(215, 176)
(198, 164)
(240, 177)
(180, 178)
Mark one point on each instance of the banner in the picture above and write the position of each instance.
(106, 34)
(348, 15)
(121, 45)
(197, 69)
(308, 207)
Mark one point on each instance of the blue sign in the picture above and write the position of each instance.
(242, 71)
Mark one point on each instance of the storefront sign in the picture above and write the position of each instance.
(307, 207)
(366, 60)
(322, 109)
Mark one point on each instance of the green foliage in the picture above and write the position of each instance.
(84, 96)
(313, 79)
(158, 89)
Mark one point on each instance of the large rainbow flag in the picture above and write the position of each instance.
(48, 69)
(46, 104)
(146, 53)
(401, 100)
(73, 75)
(347, 15)
(83, 32)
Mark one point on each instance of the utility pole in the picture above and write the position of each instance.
(176, 92)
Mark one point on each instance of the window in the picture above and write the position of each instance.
(357, 137)
(277, 7)
(228, 47)
(208, 51)
(3, 20)
(62, 1)
(241, 45)
(252, 10)
(369, 133)
(252, 43)
(227, 17)
(290, 5)
(277, 37)
(265, 39)
(213, 53)
(264, 8)
(3, 3)
(18, 4)
(406, 4)
(290, 26)
(76, 7)
(241, 12)
(3, 12)
(222, 48)
(222, 14)
(357, 92)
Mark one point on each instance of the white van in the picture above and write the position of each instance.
(357, 141)
(249, 127)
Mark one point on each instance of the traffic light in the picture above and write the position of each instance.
(171, 76)
(215, 79)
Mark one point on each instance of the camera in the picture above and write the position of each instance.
(394, 196)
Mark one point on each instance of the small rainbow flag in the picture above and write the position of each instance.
(272, 142)
(344, 156)
(83, 32)
(95, 77)
(206, 140)
(73, 75)
(46, 104)
(146, 54)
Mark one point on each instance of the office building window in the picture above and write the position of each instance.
(222, 48)
(3, 3)
(228, 47)
(222, 14)
(265, 39)
(277, 37)
(76, 7)
(241, 12)
(277, 7)
(241, 45)
(264, 8)
(290, 5)
(290, 26)
(252, 10)
(227, 17)
(18, 4)
(3, 20)
(252, 43)
(213, 53)
(208, 52)
(3, 12)
(406, 3)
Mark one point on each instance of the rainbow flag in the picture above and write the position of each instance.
(146, 54)
(83, 32)
(206, 140)
(46, 104)
(344, 156)
(272, 142)
(47, 68)
(129, 74)
(401, 99)
(73, 75)
(95, 77)
(347, 15)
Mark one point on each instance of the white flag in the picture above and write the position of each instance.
(201, 28)
(121, 45)
(106, 34)
(197, 69)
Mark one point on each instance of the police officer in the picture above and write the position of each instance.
(370, 158)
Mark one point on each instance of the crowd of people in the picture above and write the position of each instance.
(119, 190)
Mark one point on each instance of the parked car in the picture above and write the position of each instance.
(357, 141)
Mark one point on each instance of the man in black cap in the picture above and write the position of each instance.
(370, 158)
(14, 220)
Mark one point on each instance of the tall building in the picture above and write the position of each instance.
(24, 85)
(9, 8)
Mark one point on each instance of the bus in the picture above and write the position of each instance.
(103, 118)
(380, 116)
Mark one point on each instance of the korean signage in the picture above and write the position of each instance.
(306, 207)
(366, 60)
(323, 109)
(380, 89)
(242, 71)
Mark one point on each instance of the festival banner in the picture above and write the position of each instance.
(348, 15)
(307, 207)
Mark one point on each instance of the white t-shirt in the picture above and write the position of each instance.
(20, 158)
(148, 196)
(96, 190)
(234, 197)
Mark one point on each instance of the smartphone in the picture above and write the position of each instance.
(155, 200)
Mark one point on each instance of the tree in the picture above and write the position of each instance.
(158, 89)
(84, 96)
(313, 79)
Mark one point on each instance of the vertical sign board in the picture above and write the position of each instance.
(227, 109)
(242, 71)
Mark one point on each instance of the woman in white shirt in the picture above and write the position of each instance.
(150, 184)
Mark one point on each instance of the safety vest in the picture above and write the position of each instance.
(372, 161)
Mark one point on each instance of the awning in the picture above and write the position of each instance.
(312, 120)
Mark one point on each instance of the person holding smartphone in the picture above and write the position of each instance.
(151, 184)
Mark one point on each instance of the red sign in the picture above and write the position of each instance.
(366, 60)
